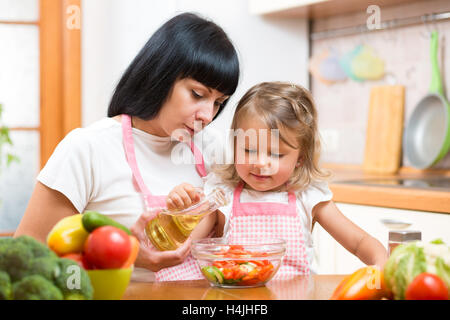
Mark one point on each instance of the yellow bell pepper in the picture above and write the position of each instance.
(68, 235)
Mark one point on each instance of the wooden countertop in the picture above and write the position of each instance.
(314, 287)
(393, 197)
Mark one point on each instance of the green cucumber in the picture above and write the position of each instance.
(213, 274)
(92, 220)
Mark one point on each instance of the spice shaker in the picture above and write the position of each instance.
(398, 237)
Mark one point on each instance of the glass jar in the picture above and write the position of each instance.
(171, 228)
(399, 237)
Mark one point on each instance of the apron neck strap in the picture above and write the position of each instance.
(130, 154)
(199, 161)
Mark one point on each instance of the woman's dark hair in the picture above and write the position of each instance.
(186, 46)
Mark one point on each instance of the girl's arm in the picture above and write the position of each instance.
(368, 249)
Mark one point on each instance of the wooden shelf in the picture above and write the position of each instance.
(315, 9)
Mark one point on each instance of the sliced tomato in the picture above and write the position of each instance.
(233, 268)
(261, 263)
(265, 272)
(228, 273)
(224, 264)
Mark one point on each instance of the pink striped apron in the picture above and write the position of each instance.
(188, 270)
(258, 220)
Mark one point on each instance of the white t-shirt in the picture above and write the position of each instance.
(317, 192)
(90, 168)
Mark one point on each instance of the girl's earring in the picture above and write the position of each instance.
(298, 164)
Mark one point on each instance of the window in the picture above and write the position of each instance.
(39, 90)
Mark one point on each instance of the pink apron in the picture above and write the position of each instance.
(188, 270)
(259, 220)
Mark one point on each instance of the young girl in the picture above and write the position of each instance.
(275, 183)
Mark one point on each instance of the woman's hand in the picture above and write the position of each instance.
(183, 196)
(150, 257)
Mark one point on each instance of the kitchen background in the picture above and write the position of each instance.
(405, 52)
(273, 46)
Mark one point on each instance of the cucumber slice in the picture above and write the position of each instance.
(231, 281)
(213, 274)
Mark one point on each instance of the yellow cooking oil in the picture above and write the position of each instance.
(171, 228)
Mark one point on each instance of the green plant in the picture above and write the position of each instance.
(5, 140)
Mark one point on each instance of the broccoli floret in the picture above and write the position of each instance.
(5, 286)
(4, 242)
(17, 257)
(26, 265)
(15, 260)
(36, 287)
(73, 281)
(45, 266)
(37, 248)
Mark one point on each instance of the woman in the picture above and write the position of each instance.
(184, 74)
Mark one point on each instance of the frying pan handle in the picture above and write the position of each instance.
(436, 83)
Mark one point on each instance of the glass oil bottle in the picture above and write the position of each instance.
(172, 227)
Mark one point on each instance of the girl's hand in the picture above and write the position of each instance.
(183, 196)
(150, 257)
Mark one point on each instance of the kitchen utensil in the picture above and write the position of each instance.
(395, 224)
(427, 135)
(238, 265)
(330, 68)
(382, 152)
(314, 66)
(346, 62)
(366, 65)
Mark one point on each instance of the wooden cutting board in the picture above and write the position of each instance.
(383, 149)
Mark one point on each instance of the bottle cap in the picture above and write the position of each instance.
(404, 235)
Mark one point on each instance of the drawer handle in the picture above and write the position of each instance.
(395, 224)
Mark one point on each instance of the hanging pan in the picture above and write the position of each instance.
(427, 134)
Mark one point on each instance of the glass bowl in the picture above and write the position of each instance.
(246, 264)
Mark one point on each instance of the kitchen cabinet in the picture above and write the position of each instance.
(332, 258)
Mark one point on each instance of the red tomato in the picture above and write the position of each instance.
(107, 247)
(427, 286)
(78, 258)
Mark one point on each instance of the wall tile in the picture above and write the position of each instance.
(344, 106)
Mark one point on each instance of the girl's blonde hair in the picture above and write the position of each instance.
(286, 107)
